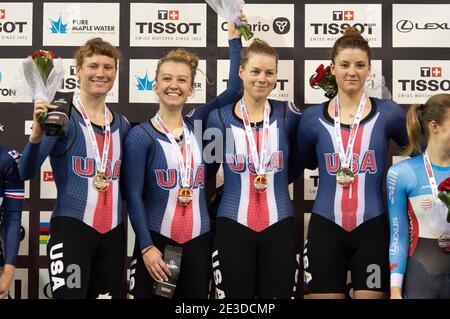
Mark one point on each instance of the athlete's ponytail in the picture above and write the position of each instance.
(418, 117)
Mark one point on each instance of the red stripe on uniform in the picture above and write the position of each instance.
(102, 221)
(349, 206)
(183, 218)
(413, 229)
(258, 208)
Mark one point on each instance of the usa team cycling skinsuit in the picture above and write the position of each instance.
(251, 226)
(86, 249)
(349, 222)
(153, 180)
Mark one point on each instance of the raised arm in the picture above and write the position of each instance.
(234, 89)
(39, 146)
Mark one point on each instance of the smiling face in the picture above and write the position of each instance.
(97, 74)
(259, 75)
(351, 68)
(174, 84)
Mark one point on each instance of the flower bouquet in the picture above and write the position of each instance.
(40, 77)
(230, 10)
(444, 195)
(325, 80)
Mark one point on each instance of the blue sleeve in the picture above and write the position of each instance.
(213, 150)
(34, 155)
(234, 89)
(12, 204)
(293, 118)
(306, 141)
(400, 180)
(397, 125)
(136, 154)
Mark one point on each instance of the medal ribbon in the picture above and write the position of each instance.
(100, 163)
(347, 156)
(183, 164)
(430, 175)
(259, 163)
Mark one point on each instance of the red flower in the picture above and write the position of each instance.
(323, 79)
(44, 62)
(444, 185)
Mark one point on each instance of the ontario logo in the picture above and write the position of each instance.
(57, 26)
(144, 83)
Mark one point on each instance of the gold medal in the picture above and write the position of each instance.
(345, 177)
(101, 182)
(185, 196)
(260, 183)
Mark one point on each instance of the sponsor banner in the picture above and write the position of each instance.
(25, 234)
(167, 25)
(16, 24)
(48, 186)
(275, 24)
(414, 81)
(72, 24)
(284, 89)
(311, 183)
(8, 74)
(325, 23)
(19, 286)
(71, 83)
(44, 231)
(142, 76)
(373, 87)
(45, 289)
(421, 25)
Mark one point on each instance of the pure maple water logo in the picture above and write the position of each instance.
(57, 26)
(144, 83)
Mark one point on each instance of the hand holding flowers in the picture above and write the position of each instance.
(40, 76)
(231, 10)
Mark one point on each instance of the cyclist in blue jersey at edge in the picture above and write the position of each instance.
(11, 201)
(419, 251)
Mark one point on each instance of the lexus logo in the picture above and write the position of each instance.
(405, 26)
(281, 25)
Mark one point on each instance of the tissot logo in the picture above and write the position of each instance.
(2, 14)
(168, 15)
(406, 26)
(431, 71)
(10, 27)
(335, 28)
(435, 83)
(281, 25)
(347, 15)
